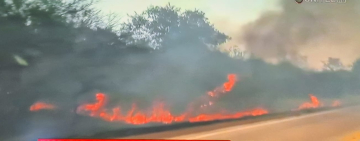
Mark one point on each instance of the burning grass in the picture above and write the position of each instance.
(159, 113)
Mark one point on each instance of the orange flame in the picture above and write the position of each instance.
(225, 88)
(162, 115)
(315, 103)
(41, 106)
(230, 84)
(158, 114)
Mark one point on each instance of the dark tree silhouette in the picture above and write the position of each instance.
(333, 64)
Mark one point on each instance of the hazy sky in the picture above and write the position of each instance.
(222, 13)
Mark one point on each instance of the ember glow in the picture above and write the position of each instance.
(41, 106)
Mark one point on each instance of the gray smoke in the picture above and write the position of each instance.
(314, 30)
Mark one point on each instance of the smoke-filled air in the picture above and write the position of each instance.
(68, 69)
(307, 35)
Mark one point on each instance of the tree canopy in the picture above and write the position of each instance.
(33, 29)
(159, 27)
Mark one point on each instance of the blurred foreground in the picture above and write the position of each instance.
(334, 125)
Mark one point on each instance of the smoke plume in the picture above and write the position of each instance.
(314, 30)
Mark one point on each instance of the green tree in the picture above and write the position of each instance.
(33, 29)
(160, 27)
